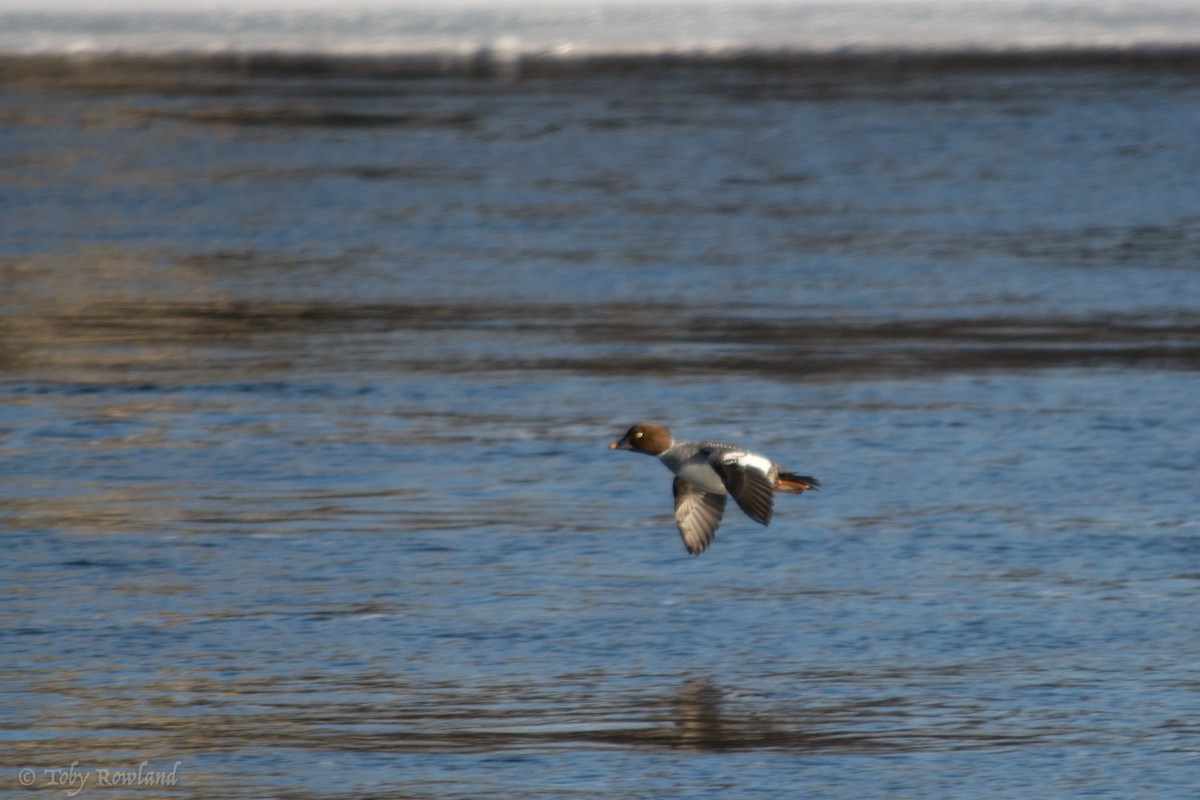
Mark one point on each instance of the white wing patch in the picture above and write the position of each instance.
(748, 461)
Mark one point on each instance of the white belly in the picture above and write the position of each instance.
(699, 473)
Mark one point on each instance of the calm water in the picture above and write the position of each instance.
(308, 370)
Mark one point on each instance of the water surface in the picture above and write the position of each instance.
(308, 370)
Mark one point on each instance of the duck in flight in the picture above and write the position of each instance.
(708, 472)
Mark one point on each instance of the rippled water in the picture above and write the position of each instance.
(308, 370)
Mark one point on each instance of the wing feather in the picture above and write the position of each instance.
(751, 489)
(698, 513)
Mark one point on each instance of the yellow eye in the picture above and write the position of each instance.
(637, 434)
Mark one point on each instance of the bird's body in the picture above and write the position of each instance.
(708, 472)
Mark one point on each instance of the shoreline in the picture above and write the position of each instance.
(119, 67)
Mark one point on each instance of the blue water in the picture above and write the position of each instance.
(307, 381)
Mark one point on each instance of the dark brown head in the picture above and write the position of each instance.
(644, 437)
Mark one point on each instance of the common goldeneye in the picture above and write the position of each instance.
(705, 472)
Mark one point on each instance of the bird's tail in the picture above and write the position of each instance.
(790, 483)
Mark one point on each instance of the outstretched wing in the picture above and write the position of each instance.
(752, 490)
(698, 513)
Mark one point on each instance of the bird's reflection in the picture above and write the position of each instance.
(703, 720)
(698, 721)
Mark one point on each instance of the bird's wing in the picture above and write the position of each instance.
(751, 488)
(697, 513)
